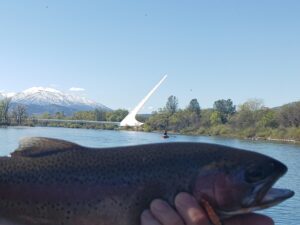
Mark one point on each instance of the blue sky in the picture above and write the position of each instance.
(118, 50)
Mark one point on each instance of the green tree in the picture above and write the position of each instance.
(184, 120)
(205, 117)
(165, 113)
(142, 117)
(19, 113)
(289, 115)
(172, 105)
(249, 114)
(268, 119)
(252, 105)
(4, 109)
(59, 115)
(158, 120)
(225, 109)
(84, 115)
(100, 115)
(194, 107)
(45, 116)
(215, 118)
(117, 115)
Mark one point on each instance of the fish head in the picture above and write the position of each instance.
(241, 183)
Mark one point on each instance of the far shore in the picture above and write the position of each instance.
(268, 139)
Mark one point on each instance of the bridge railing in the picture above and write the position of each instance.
(74, 121)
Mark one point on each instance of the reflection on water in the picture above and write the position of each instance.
(287, 213)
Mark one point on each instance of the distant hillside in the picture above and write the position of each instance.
(39, 100)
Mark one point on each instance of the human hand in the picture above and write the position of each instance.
(189, 212)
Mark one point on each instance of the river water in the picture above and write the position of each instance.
(287, 213)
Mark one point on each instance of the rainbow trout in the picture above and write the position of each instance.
(54, 182)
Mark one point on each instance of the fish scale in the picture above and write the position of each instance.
(54, 182)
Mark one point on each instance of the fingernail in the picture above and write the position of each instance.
(159, 205)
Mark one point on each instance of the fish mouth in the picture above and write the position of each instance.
(265, 195)
(262, 196)
(273, 197)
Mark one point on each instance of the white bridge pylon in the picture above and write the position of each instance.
(130, 119)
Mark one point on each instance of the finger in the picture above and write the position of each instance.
(190, 210)
(148, 219)
(249, 219)
(164, 213)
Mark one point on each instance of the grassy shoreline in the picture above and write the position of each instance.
(200, 132)
(282, 135)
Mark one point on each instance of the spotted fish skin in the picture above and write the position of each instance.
(52, 184)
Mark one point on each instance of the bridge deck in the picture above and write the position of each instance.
(76, 121)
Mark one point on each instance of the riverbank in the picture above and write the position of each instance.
(271, 135)
(266, 139)
(282, 135)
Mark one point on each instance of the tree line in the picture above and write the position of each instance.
(93, 115)
(12, 115)
(16, 114)
(252, 119)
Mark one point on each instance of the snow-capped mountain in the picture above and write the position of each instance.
(46, 96)
(2, 95)
(40, 100)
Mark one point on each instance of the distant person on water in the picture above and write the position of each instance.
(165, 134)
(189, 212)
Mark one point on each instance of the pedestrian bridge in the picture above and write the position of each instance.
(129, 120)
(75, 121)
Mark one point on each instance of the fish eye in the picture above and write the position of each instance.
(254, 175)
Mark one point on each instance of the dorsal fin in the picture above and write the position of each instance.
(41, 146)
